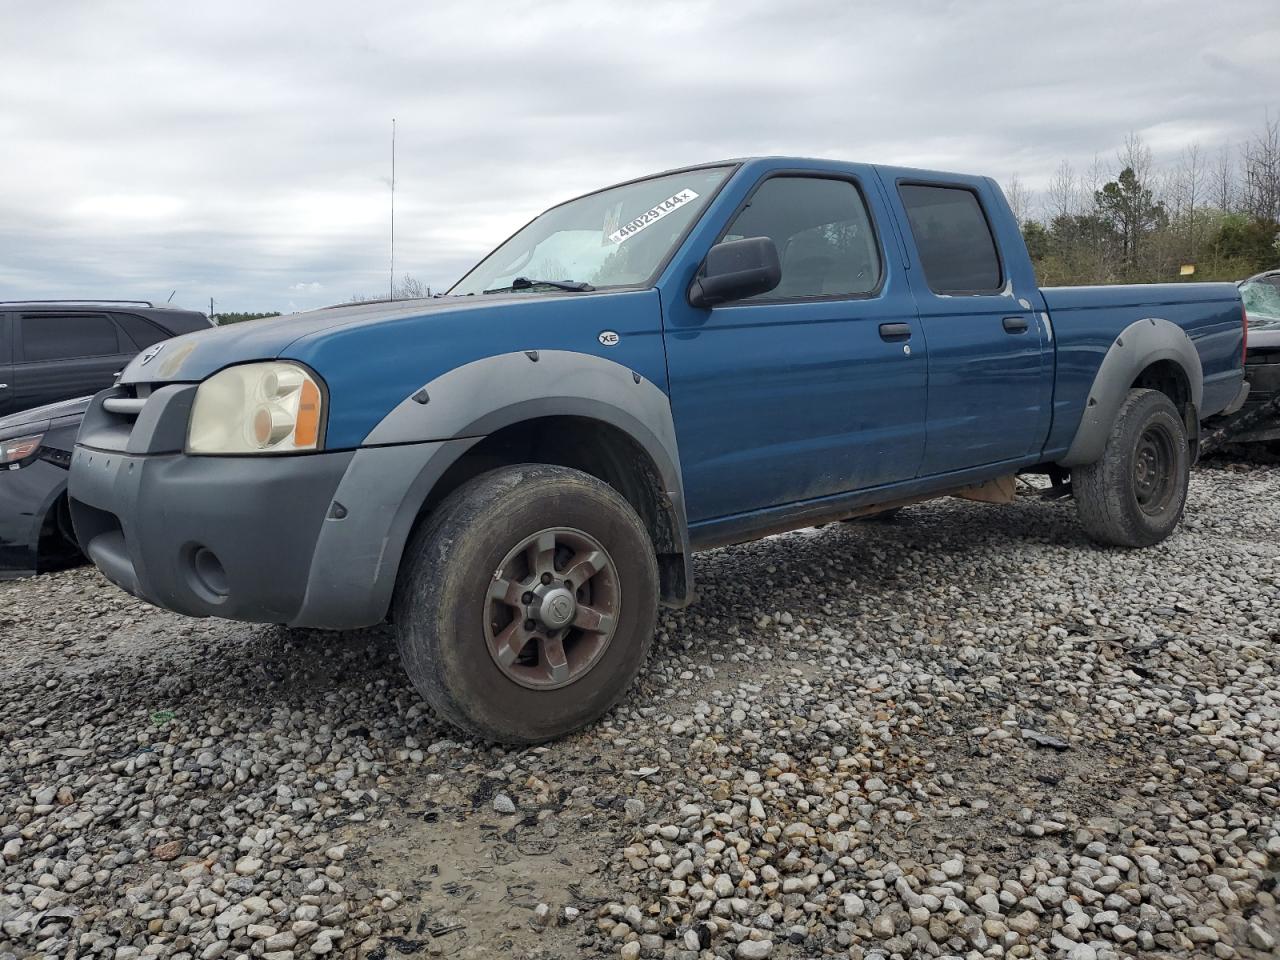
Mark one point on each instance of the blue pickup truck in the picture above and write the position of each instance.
(517, 473)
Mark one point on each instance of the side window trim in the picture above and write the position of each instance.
(1003, 279)
(877, 237)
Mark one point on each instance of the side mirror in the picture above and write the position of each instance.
(736, 269)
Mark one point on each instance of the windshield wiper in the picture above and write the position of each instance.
(524, 283)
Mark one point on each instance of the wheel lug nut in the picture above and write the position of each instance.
(530, 625)
(527, 599)
(546, 579)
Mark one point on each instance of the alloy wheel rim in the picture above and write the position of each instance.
(552, 606)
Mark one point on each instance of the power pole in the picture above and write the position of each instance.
(391, 290)
(211, 318)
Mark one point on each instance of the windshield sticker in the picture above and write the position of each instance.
(652, 216)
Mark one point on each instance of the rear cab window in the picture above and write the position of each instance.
(67, 336)
(953, 237)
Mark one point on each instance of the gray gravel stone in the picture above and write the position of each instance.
(828, 755)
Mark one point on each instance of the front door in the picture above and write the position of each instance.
(812, 389)
(990, 358)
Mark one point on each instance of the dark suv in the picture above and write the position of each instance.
(53, 350)
(53, 356)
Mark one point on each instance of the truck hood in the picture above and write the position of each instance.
(194, 356)
(372, 356)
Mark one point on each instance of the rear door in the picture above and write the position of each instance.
(990, 356)
(64, 355)
(6, 366)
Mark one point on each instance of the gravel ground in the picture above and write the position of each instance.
(963, 733)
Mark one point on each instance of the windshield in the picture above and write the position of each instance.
(613, 238)
(1261, 299)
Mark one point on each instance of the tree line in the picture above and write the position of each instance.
(222, 319)
(1217, 212)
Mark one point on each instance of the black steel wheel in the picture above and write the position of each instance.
(526, 603)
(1154, 481)
(1134, 495)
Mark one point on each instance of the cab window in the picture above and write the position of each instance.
(823, 233)
(951, 232)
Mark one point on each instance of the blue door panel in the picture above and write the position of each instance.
(987, 387)
(779, 403)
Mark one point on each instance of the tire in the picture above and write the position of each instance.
(465, 576)
(1134, 495)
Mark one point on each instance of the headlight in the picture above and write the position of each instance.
(18, 449)
(257, 408)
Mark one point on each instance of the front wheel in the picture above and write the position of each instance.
(1134, 495)
(527, 603)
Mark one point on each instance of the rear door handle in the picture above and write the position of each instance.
(1015, 324)
(892, 332)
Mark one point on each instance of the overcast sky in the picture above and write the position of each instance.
(241, 150)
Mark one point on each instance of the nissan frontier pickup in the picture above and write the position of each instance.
(517, 473)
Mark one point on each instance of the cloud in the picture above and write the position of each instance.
(312, 287)
(227, 149)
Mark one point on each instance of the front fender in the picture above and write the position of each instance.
(1141, 344)
(403, 457)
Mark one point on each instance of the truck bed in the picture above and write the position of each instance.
(1086, 321)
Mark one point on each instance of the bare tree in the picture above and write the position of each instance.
(1187, 194)
(1094, 178)
(407, 288)
(1064, 192)
(411, 288)
(1019, 198)
(1260, 169)
(1136, 155)
(1224, 188)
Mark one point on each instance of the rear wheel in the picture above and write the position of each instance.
(527, 603)
(1134, 495)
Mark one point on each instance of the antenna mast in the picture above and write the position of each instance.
(391, 290)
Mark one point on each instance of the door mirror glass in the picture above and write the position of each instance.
(736, 269)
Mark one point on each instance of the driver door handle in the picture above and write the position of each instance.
(1015, 324)
(892, 332)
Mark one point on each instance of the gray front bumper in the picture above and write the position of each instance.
(312, 540)
(229, 537)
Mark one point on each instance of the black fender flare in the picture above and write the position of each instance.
(483, 396)
(1141, 344)
(406, 454)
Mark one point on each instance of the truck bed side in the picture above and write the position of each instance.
(1087, 321)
